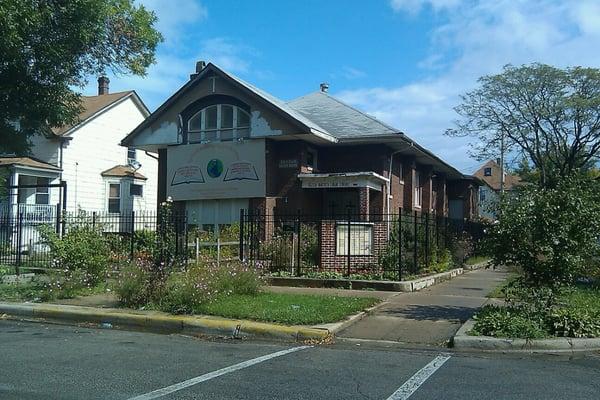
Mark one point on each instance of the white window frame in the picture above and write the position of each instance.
(129, 158)
(234, 129)
(358, 230)
(418, 191)
(141, 185)
(108, 198)
(42, 191)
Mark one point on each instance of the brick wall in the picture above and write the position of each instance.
(330, 260)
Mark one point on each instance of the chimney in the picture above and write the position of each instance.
(103, 82)
(324, 87)
(199, 67)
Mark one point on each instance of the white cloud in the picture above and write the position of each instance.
(415, 6)
(352, 73)
(475, 39)
(227, 54)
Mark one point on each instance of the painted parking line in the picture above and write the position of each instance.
(415, 381)
(211, 375)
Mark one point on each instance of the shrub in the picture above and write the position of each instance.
(309, 245)
(186, 291)
(82, 248)
(506, 322)
(574, 323)
(136, 285)
(551, 234)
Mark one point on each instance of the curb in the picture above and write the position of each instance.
(163, 323)
(336, 327)
(463, 341)
(390, 286)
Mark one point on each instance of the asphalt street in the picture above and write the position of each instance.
(44, 361)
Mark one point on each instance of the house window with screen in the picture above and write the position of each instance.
(487, 172)
(114, 198)
(42, 195)
(131, 155)
(361, 239)
(418, 190)
(136, 190)
(220, 122)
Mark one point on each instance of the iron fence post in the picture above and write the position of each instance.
(400, 244)
(132, 243)
(427, 247)
(19, 242)
(57, 229)
(416, 239)
(251, 233)
(298, 255)
(241, 235)
(348, 247)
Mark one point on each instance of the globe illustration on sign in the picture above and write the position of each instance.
(214, 168)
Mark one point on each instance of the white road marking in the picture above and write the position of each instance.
(415, 381)
(203, 378)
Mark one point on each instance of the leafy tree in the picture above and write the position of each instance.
(549, 115)
(50, 47)
(551, 234)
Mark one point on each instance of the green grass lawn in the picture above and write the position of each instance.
(286, 308)
(36, 291)
(476, 260)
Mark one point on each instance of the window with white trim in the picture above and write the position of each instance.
(220, 122)
(114, 198)
(136, 189)
(418, 190)
(131, 155)
(361, 239)
(42, 194)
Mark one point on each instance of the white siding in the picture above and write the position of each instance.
(94, 149)
(46, 149)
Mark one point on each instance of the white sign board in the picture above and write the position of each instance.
(216, 170)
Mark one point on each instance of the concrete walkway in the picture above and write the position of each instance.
(431, 316)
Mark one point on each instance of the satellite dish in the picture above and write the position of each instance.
(135, 164)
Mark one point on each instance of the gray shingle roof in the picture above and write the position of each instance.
(339, 119)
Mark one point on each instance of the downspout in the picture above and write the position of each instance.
(150, 155)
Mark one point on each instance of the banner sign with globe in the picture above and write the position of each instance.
(216, 170)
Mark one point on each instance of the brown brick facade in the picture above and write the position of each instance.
(331, 260)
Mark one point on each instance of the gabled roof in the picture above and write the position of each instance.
(296, 117)
(27, 162)
(510, 181)
(95, 105)
(338, 118)
(123, 171)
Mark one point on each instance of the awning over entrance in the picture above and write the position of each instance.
(339, 180)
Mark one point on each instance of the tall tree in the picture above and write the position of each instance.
(547, 114)
(48, 48)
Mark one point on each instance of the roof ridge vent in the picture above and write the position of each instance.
(324, 86)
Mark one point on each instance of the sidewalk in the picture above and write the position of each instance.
(431, 316)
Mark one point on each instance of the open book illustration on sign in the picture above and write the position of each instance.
(240, 171)
(187, 174)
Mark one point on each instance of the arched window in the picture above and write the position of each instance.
(219, 122)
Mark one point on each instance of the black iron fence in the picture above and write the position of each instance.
(26, 234)
(375, 246)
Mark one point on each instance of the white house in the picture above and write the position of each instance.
(98, 174)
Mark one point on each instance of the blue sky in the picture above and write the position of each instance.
(403, 61)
